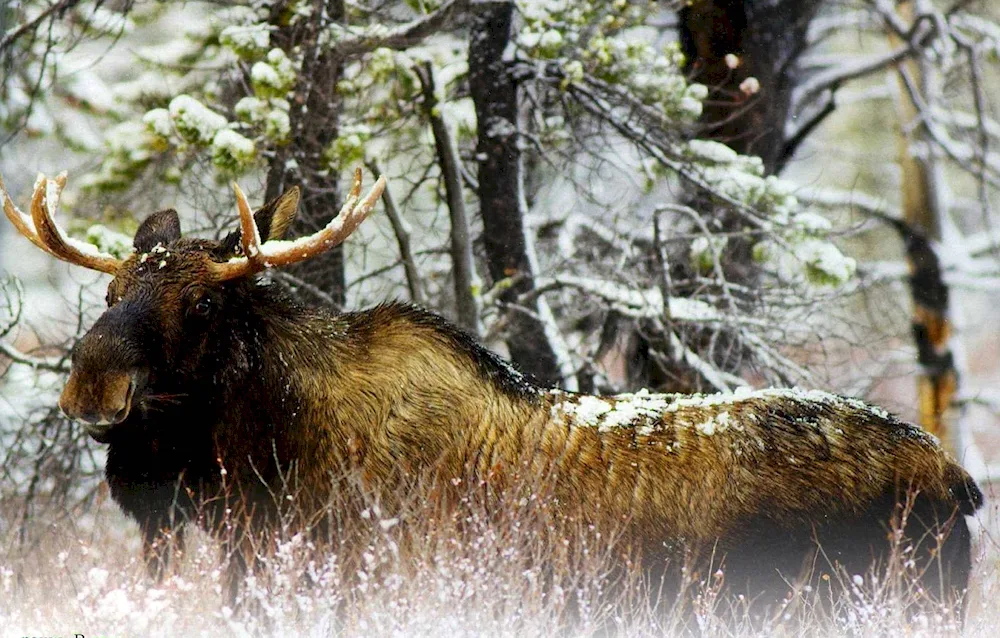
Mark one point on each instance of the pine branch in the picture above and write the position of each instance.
(400, 37)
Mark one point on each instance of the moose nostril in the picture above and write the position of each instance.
(90, 417)
(120, 415)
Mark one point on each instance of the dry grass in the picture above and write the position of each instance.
(418, 575)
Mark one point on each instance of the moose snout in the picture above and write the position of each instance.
(100, 401)
(107, 371)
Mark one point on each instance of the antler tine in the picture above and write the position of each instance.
(43, 205)
(21, 221)
(249, 234)
(333, 234)
(283, 253)
(60, 181)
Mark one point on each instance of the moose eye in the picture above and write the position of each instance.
(203, 306)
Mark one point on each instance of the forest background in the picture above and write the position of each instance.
(685, 197)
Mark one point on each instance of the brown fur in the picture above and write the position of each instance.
(236, 376)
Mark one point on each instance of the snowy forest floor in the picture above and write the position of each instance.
(84, 575)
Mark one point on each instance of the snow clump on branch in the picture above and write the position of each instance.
(800, 249)
(273, 77)
(195, 121)
(232, 151)
(588, 41)
(247, 41)
(271, 114)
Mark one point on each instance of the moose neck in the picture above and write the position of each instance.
(387, 391)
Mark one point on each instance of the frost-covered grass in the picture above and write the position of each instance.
(422, 575)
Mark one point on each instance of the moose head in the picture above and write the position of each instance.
(173, 297)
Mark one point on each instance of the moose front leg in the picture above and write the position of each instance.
(160, 540)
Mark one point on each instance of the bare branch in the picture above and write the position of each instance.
(832, 79)
(597, 106)
(720, 379)
(823, 26)
(795, 135)
(982, 123)
(15, 306)
(961, 120)
(52, 364)
(302, 284)
(965, 155)
(461, 238)
(402, 234)
(13, 36)
(402, 36)
(869, 205)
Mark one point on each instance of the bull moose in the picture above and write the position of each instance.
(202, 374)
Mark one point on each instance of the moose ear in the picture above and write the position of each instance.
(274, 217)
(161, 227)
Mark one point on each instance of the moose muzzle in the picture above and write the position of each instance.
(100, 401)
(108, 376)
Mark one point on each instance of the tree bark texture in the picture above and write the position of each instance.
(923, 211)
(767, 36)
(495, 95)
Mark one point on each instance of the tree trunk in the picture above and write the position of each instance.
(315, 123)
(501, 195)
(767, 36)
(923, 214)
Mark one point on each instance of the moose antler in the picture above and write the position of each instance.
(258, 256)
(41, 230)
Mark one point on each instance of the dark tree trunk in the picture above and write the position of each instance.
(768, 36)
(495, 94)
(938, 381)
(315, 124)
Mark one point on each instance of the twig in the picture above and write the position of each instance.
(979, 101)
(643, 138)
(461, 238)
(915, 38)
(402, 36)
(13, 36)
(402, 240)
(960, 153)
(51, 364)
(832, 79)
(798, 134)
(298, 282)
(15, 304)
(720, 379)
(864, 203)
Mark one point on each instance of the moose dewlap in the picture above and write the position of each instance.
(211, 388)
